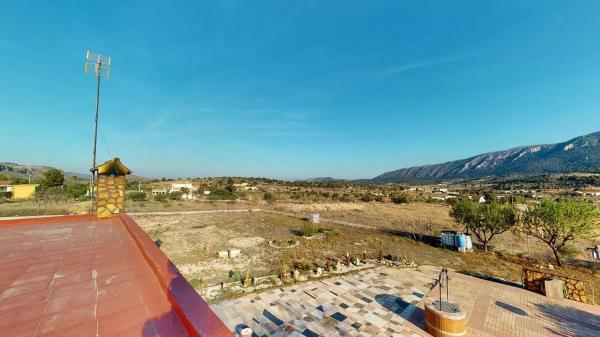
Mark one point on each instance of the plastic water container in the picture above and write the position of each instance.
(469, 243)
(448, 239)
(461, 241)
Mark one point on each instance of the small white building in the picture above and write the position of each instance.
(244, 187)
(179, 186)
(191, 190)
(157, 191)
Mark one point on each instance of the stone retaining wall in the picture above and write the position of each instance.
(534, 278)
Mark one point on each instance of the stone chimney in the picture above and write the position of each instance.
(110, 188)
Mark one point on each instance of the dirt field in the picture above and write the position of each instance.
(426, 218)
(193, 240)
(418, 217)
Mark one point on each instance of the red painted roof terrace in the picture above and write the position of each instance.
(85, 276)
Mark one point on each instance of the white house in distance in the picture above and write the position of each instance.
(157, 191)
(244, 187)
(191, 189)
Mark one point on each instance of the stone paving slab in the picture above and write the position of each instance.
(495, 309)
(377, 302)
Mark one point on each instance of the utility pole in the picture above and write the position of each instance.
(99, 66)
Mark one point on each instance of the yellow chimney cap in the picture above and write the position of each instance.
(113, 166)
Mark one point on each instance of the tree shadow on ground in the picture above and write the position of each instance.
(570, 321)
(511, 308)
(402, 308)
(428, 239)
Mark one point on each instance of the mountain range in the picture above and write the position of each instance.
(581, 154)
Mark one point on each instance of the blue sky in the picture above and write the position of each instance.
(290, 89)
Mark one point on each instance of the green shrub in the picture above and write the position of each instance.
(346, 198)
(175, 195)
(366, 198)
(137, 196)
(160, 197)
(222, 194)
(303, 265)
(197, 283)
(235, 275)
(269, 197)
(308, 229)
(76, 190)
(328, 231)
(400, 199)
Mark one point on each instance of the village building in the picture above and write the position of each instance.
(244, 187)
(18, 192)
(187, 189)
(157, 191)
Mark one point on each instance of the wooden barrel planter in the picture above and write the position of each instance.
(445, 320)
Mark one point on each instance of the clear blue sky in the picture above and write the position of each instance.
(294, 89)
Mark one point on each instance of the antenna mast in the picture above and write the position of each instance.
(96, 65)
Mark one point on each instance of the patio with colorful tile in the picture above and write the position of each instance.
(390, 302)
(375, 302)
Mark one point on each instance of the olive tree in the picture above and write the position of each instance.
(557, 222)
(53, 178)
(485, 220)
(464, 212)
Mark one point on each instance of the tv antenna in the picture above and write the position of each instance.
(96, 65)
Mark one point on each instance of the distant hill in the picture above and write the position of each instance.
(321, 180)
(581, 154)
(13, 170)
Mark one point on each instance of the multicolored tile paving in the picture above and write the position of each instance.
(390, 302)
(375, 302)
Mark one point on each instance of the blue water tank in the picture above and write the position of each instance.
(461, 240)
(448, 239)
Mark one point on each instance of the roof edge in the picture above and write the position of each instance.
(46, 219)
(197, 317)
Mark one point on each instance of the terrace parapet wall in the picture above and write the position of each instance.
(574, 288)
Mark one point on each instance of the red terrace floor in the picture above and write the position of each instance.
(82, 276)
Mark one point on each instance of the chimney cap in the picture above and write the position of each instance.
(113, 166)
